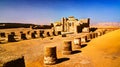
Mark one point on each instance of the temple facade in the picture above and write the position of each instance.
(71, 24)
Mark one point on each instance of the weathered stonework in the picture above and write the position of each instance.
(86, 30)
(71, 24)
(84, 39)
(23, 36)
(11, 38)
(77, 43)
(50, 56)
(67, 47)
(93, 35)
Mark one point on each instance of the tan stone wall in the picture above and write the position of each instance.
(58, 28)
(70, 24)
(86, 30)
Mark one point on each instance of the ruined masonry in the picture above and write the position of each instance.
(71, 24)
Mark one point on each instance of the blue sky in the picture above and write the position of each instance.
(47, 11)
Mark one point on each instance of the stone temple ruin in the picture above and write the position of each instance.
(73, 25)
(65, 27)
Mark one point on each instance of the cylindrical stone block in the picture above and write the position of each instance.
(11, 38)
(93, 35)
(96, 34)
(48, 34)
(77, 43)
(90, 35)
(67, 47)
(23, 36)
(99, 33)
(59, 32)
(54, 33)
(63, 35)
(103, 32)
(2, 34)
(84, 39)
(50, 56)
(28, 32)
(41, 35)
(45, 34)
(33, 35)
(36, 34)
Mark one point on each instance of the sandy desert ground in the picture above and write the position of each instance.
(102, 51)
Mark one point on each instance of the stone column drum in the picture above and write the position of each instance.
(77, 43)
(90, 35)
(48, 34)
(96, 34)
(56, 33)
(59, 32)
(50, 56)
(53, 33)
(63, 35)
(99, 33)
(93, 35)
(84, 39)
(23, 36)
(33, 35)
(67, 47)
(11, 38)
(28, 35)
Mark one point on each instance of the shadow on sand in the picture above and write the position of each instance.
(76, 51)
(88, 40)
(83, 45)
(60, 60)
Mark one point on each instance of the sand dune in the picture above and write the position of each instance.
(104, 51)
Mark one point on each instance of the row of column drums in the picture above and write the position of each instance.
(50, 54)
(13, 37)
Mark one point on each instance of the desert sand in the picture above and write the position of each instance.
(102, 51)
